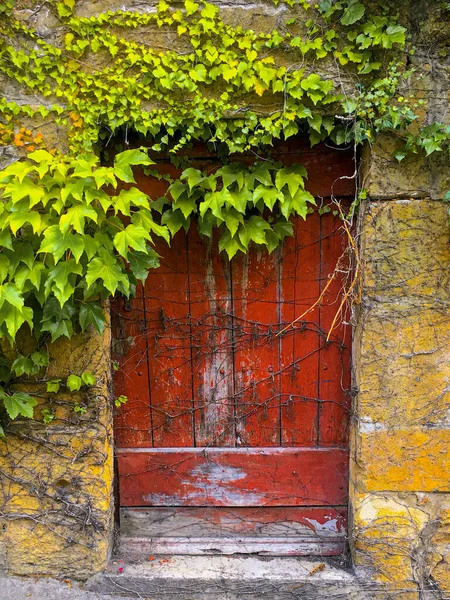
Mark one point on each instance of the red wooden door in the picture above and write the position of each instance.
(234, 438)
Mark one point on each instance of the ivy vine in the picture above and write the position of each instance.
(74, 232)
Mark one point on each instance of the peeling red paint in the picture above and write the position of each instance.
(203, 367)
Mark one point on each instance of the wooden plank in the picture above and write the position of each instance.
(256, 356)
(335, 355)
(298, 546)
(300, 288)
(132, 420)
(212, 357)
(274, 521)
(270, 531)
(169, 338)
(233, 477)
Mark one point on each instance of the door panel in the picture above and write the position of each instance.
(233, 477)
(212, 358)
(132, 424)
(299, 282)
(166, 296)
(236, 429)
(334, 355)
(256, 306)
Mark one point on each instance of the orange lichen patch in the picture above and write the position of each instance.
(405, 460)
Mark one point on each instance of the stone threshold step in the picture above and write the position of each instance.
(227, 578)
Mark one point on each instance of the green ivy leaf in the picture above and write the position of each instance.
(17, 219)
(230, 174)
(40, 359)
(262, 174)
(11, 294)
(198, 73)
(253, 230)
(23, 365)
(230, 244)
(18, 169)
(176, 189)
(283, 229)
(53, 386)
(4, 267)
(57, 320)
(5, 239)
(18, 404)
(58, 329)
(269, 195)
(232, 221)
(174, 220)
(120, 400)
(144, 218)
(125, 160)
(191, 7)
(396, 34)
(215, 201)
(75, 217)
(142, 262)
(74, 383)
(128, 198)
(62, 280)
(240, 199)
(18, 190)
(57, 243)
(133, 236)
(106, 269)
(91, 313)
(15, 317)
(292, 177)
(185, 204)
(193, 177)
(74, 189)
(88, 378)
(205, 224)
(354, 12)
(300, 203)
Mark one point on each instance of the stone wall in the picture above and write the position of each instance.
(56, 481)
(400, 456)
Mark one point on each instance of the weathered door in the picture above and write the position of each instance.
(234, 438)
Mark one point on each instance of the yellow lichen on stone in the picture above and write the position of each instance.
(405, 380)
(400, 451)
(402, 539)
(406, 250)
(57, 480)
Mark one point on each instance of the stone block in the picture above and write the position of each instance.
(403, 460)
(414, 177)
(403, 539)
(406, 251)
(403, 369)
